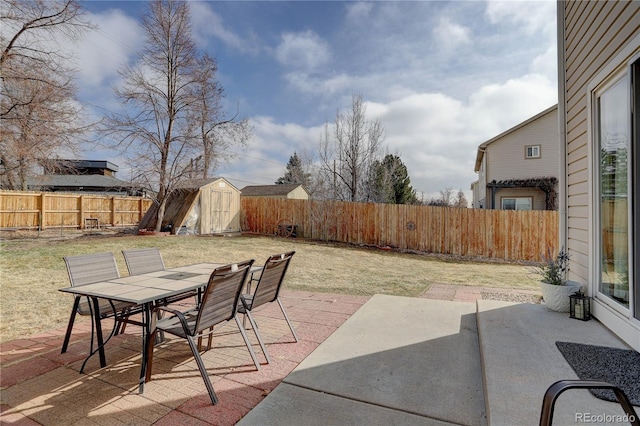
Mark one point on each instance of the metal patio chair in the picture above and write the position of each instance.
(267, 290)
(89, 269)
(142, 261)
(219, 302)
(145, 260)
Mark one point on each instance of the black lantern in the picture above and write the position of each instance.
(580, 306)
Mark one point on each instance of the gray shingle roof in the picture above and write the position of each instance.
(76, 181)
(267, 190)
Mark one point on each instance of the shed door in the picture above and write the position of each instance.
(220, 210)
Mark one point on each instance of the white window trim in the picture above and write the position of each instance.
(516, 200)
(609, 75)
(532, 157)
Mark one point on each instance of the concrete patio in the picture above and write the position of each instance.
(448, 357)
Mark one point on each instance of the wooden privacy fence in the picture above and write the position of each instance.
(42, 210)
(501, 234)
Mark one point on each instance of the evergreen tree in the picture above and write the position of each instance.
(295, 173)
(390, 183)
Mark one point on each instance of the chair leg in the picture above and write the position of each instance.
(149, 355)
(210, 337)
(203, 370)
(287, 318)
(255, 330)
(247, 342)
(72, 319)
(122, 320)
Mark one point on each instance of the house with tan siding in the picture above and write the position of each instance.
(288, 191)
(519, 168)
(599, 109)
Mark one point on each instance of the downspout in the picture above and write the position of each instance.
(562, 128)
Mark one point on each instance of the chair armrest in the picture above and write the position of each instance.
(245, 306)
(177, 313)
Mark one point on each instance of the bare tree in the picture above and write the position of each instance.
(37, 109)
(215, 130)
(356, 144)
(444, 200)
(158, 95)
(461, 200)
(446, 196)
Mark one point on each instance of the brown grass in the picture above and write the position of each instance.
(32, 270)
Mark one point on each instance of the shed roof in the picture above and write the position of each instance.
(195, 184)
(269, 190)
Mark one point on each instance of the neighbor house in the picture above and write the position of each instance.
(89, 176)
(519, 168)
(288, 191)
(599, 109)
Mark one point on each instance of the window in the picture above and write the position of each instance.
(614, 163)
(532, 151)
(522, 203)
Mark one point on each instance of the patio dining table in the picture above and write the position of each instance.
(145, 290)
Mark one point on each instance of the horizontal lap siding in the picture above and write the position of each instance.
(594, 33)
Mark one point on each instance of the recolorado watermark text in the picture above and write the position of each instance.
(604, 418)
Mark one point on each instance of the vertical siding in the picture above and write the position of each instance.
(521, 235)
(595, 32)
(227, 210)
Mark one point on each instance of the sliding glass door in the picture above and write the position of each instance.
(617, 192)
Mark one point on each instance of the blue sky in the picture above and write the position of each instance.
(441, 76)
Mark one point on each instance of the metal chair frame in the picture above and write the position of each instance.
(89, 269)
(219, 304)
(267, 289)
(145, 260)
(554, 391)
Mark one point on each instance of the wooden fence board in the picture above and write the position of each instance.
(44, 210)
(511, 235)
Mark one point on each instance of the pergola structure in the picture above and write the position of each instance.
(545, 184)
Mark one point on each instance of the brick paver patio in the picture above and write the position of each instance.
(41, 386)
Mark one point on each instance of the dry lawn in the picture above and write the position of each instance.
(31, 270)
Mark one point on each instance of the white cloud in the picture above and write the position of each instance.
(451, 35)
(305, 51)
(273, 143)
(531, 16)
(435, 134)
(207, 23)
(103, 51)
(359, 11)
(436, 107)
(547, 63)
(309, 84)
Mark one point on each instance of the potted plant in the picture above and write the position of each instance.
(553, 283)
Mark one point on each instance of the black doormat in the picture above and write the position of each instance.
(619, 367)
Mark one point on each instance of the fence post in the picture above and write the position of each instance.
(113, 211)
(42, 212)
(81, 212)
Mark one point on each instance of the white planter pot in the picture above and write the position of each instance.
(556, 297)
